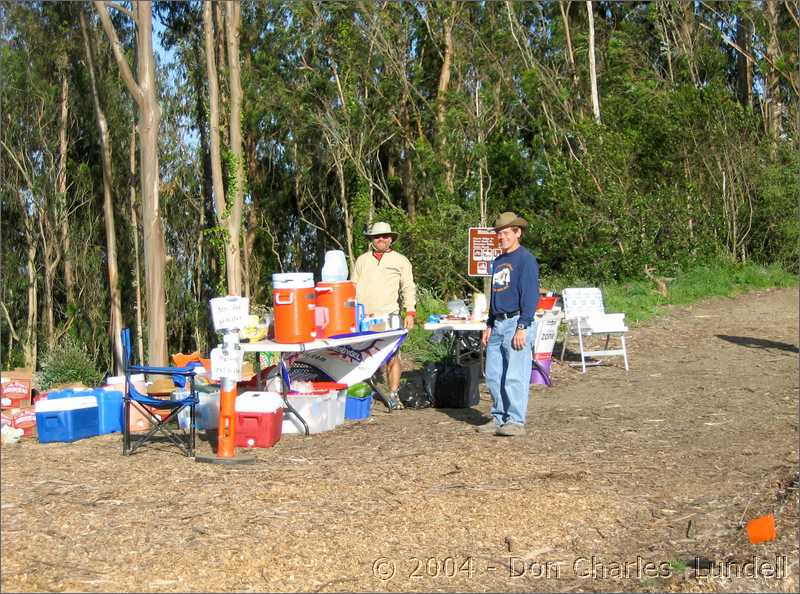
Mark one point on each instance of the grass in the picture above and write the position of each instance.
(638, 298)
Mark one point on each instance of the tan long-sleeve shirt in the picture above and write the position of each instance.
(379, 284)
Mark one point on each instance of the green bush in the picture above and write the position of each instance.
(68, 362)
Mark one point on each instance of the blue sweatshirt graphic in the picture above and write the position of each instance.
(515, 285)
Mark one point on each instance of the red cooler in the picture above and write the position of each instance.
(259, 416)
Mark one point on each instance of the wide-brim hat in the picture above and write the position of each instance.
(381, 228)
(509, 219)
(161, 384)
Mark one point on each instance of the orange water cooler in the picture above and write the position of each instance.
(294, 300)
(336, 308)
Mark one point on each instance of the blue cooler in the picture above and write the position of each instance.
(67, 419)
(109, 411)
(69, 393)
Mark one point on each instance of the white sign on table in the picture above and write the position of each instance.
(230, 313)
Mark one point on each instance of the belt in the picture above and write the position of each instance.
(505, 316)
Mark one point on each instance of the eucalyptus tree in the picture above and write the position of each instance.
(104, 139)
(143, 90)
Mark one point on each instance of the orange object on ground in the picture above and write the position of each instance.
(339, 299)
(226, 445)
(762, 529)
(294, 314)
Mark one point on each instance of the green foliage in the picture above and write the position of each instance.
(720, 277)
(217, 238)
(418, 345)
(68, 362)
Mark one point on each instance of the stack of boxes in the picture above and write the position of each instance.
(15, 400)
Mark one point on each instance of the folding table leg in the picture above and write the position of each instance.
(381, 396)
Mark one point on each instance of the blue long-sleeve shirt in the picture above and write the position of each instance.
(515, 285)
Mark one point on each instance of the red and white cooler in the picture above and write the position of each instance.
(258, 420)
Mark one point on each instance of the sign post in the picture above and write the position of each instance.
(230, 316)
(482, 249)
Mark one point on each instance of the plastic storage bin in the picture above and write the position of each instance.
(67, 419)
(314, 407)
(357, 408)
(258, 420)
(336, 400)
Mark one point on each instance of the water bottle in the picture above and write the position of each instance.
(335, 267)
(360, 316)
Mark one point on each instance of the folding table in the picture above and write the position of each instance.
(547, 322)
(345, 359)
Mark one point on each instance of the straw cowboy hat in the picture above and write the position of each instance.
(381, 228)
(509, 219)
(161, 385)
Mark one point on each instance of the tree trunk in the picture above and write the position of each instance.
(744, 66)
(592, 65)
(222, 67)
(153, 235)
(137, 264)
(115, 325)
(441, 94)
(30, 344)
(69, 274)
(563, 5)
(217, 185)
(686, 33)
(144, 93)
(772, 90)
(232, 249)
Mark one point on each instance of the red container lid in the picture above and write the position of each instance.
(328, 386)
(546, 302)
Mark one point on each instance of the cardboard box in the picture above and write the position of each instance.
(25, 419)
(15, 388)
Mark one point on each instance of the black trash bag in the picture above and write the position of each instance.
(449, 385)
(415, 400)
(429, 375)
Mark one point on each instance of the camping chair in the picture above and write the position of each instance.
(586, 316)
(183, 440)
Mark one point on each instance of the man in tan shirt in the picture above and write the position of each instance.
(383, 276)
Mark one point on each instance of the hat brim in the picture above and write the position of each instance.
(393, 235)
(518, 222)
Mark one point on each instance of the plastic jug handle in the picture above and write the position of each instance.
(321, 318)
(279, 301)
(323, 289)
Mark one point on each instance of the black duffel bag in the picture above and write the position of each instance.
(449, 385)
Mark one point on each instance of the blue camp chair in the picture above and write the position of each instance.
(183, 440)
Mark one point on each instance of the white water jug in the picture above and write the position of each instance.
(335, 267)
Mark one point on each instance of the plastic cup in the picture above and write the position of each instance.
(762, 529)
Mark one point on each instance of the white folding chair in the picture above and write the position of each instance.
(585, 315)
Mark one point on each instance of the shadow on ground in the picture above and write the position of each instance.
(759, 343)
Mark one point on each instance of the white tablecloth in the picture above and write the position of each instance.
(348, 360)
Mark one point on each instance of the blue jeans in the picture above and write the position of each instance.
(508, 372)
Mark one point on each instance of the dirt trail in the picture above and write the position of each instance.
(622, 480)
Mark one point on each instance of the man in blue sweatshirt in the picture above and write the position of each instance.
(511, 328)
